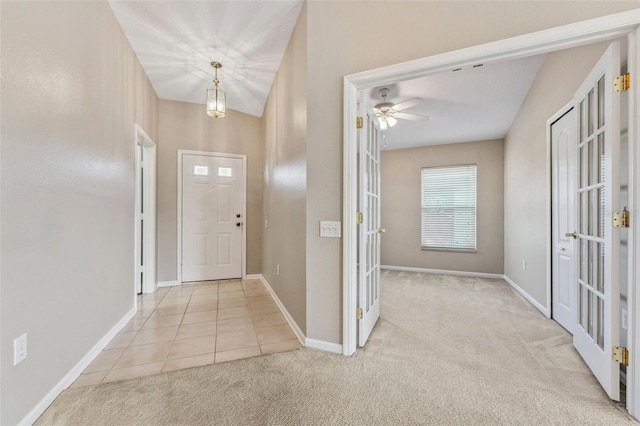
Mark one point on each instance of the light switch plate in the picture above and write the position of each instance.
(330, 229)
(19, 349)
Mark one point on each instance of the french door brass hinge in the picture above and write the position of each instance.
(359, 217)
(359, 122)
(359, 313)
(621, 355)
(622, 219)
(622, 83)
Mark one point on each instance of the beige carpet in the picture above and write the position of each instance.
(447, 350)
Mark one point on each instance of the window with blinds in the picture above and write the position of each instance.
(448, 204)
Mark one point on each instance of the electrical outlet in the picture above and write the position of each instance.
(19, 349)
(524, 265)
(625, 318)
(330, 229)
(278, 269)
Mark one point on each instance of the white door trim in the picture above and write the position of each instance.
(141, 138)
(243, 157)
(633, 290)
(606, 28)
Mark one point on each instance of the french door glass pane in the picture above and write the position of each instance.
(590, 112)
(601, 102)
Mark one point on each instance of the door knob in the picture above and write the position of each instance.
(571, 234)
(381, 230)
(238, 223)
(238, 215)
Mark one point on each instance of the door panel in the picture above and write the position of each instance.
(212, 197)
(369, 230)
(596, 329)
(563, 154)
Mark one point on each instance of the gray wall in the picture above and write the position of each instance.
(187, 126)
(72, 90)
(400, 208)
(525, 173)
(345, 38)
(285, 177)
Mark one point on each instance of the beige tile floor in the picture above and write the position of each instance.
(192, 325)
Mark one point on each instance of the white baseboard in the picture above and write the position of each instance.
(294, 326)
(168, 283)
(324, 346)
(73, 374)
(253, 277)
(442, 271)
(527, 296)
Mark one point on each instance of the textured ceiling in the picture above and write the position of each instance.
(471, 104)
(176, 41)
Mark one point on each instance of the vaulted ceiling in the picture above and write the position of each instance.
(176, 41)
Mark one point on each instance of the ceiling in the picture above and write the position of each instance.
(175, 41)
(471, 104)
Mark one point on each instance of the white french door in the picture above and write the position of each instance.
(212, 217)
(563, 155)
(596, 329)
(369, 230)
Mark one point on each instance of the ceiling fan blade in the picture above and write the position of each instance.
(409, 116)
(408, 104)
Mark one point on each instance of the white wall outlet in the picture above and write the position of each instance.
(330, 229)
(625, 319)
(19, 349)
(278, 269)
(524, 265)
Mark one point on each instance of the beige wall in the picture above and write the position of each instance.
(400, 208)
(285, 176)
(186, 126)
(72, 90)
(526, 166)
(345, 38)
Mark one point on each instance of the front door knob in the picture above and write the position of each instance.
(238, 223)
(571, 234)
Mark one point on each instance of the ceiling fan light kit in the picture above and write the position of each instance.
(388, 113)
(216, 98)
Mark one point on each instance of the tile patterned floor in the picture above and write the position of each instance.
(192, 325)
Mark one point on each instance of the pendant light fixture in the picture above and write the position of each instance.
(216, 98)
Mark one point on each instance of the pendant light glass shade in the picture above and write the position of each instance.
(216, 98)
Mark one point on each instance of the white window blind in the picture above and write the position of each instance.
(448, 203)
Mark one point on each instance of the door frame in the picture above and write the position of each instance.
(606, 28)
(148, 246)
(243, 157)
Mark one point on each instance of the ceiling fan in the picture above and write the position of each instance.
(388, 113)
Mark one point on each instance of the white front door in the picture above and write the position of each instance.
(563, 156)
(212, 222)
(369, 229)
(597, 325)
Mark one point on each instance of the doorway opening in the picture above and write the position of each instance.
(574, 35)
(145, 212)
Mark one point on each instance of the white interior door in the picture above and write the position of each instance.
(597, 327)
(369, 229)
(563, 156)
(212, 222)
